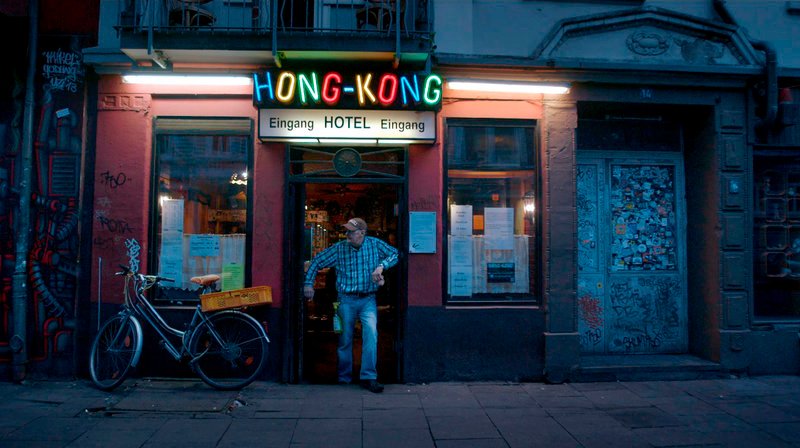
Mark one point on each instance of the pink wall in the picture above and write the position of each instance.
(124, 145)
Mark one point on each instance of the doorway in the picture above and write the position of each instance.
(325, 207)
(632, 289)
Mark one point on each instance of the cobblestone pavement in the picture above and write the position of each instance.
(744, 412)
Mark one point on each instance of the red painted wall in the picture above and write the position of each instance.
(124, 144)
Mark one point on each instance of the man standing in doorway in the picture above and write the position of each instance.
(359, 261)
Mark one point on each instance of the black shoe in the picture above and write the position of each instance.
(372, 385)
(343, 383)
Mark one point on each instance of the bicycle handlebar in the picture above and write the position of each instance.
(154, 278)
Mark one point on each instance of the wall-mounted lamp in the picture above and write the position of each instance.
(529, 204)
(187, 80)
(480, 85)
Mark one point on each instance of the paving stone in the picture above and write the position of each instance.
(48, 429)
(263, 432)
(400, 418)
(615, 398)
(469, 427)
(397, 438)
(334, 433)
(472, 443)
(757, 412)
(672, 436)
(788, 432)
(183, 432)
(542, 432)
(683, 405)
(119, 433)
(650, 417)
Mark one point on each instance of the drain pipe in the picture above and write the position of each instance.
(20, 301)
(771, 65)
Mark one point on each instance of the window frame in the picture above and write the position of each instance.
(488, 300)
(772, 155)
(198, 126)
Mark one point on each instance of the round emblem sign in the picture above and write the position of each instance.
(347, 162)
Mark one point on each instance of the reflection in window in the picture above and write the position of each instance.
(201, 210)
(491, 207)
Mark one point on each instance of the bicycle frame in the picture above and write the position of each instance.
(139, 306)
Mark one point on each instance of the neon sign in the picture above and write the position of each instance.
(362, 90)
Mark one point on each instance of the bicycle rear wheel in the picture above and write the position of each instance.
(115, 351)
(229, 350)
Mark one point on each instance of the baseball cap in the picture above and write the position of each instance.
(355, 224)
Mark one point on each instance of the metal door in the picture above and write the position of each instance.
(631, 254)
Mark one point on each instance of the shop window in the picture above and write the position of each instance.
(777, 235)
(491, 211)
(201, 193)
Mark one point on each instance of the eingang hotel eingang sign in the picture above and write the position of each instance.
(303, 106)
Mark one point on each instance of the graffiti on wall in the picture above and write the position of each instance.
(54, 242)
(586, 201)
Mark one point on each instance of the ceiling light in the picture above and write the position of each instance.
(507, 86)
(187, 80)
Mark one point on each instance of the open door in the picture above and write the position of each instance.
(325, 207)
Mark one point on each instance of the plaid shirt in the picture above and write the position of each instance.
(353, 266)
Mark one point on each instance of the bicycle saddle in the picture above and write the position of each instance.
(205, 280)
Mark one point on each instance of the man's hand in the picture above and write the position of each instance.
(377, 275)
(308, 291)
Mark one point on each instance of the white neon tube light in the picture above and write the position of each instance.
(187, 80)
(507, 87)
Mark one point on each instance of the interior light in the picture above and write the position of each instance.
(507, 86)
(187, 80)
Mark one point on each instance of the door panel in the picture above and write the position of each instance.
(631, 275)
(591, 277)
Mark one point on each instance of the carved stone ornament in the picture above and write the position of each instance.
(647, 43)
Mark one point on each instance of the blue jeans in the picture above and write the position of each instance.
(365, 309)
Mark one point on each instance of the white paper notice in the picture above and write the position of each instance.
(461, 281)
(172, 215)
(171, 263)
(461, 220)
(203, 245)
(422, 232)
(499, 233)
(460, 251)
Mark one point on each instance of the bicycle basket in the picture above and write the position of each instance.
(237, 298)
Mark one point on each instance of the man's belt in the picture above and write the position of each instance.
(358, 294)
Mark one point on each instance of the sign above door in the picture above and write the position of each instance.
(346, 126)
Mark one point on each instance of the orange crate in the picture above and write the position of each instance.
(237, 298)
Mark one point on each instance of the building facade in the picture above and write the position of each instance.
(579, 190)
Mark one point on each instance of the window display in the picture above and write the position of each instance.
(201, 209)
(491, 201)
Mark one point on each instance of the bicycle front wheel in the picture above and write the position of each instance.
(229, 350)
(115, 351)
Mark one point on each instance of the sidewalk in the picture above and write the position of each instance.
(750, 412)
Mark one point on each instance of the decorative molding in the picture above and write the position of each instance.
(123, 101)
(647, 43)
(649, 36)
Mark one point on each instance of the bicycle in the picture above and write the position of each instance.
(227, 349)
